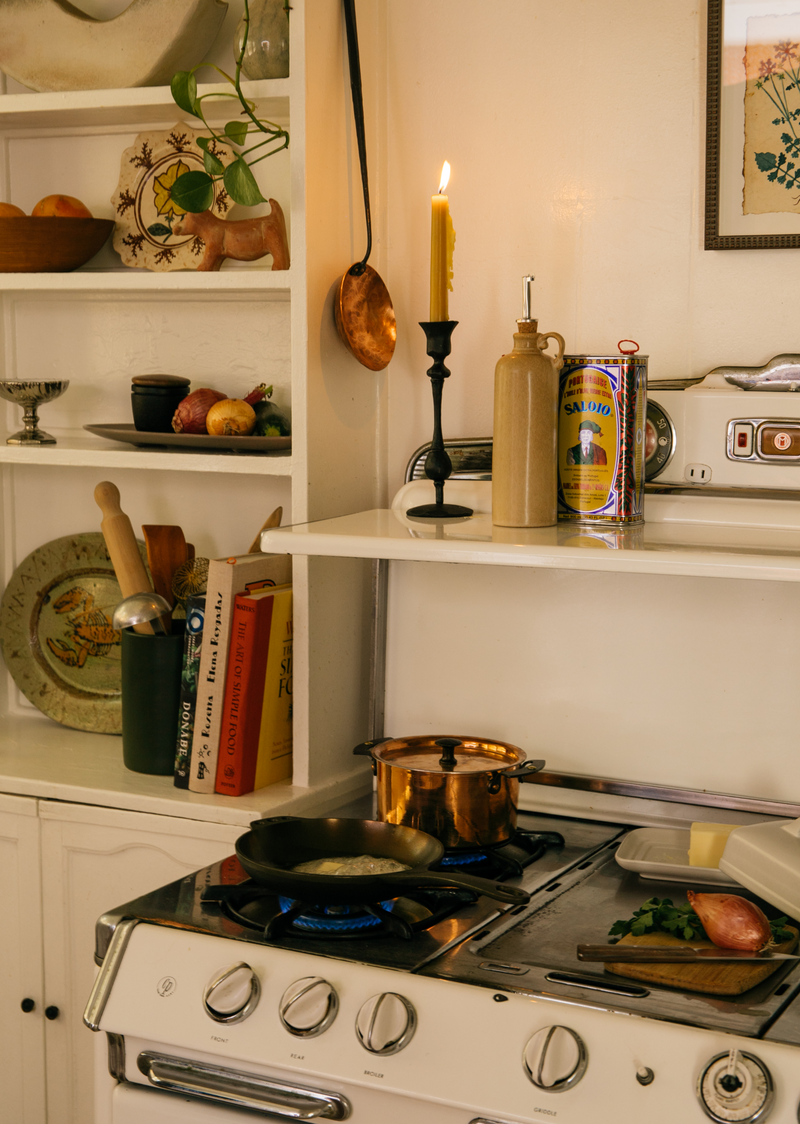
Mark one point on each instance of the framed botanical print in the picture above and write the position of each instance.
(753, 125)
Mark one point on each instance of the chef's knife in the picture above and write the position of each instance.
(667, 954)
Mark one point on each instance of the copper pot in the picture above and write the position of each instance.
(462, 790)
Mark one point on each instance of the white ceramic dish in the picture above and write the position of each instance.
(662, 855)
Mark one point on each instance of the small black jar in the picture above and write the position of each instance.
(154, 400)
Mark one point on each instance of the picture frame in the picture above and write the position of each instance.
(753, 92)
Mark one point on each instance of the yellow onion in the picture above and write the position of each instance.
(231, 417)
(731, 921)
(190, 416)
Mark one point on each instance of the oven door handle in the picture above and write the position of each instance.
(241, 1090)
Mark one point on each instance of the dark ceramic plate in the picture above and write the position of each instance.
(127, 432)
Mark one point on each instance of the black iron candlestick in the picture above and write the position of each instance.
(438, 465)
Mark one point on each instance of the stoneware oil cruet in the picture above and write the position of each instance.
(524, 465)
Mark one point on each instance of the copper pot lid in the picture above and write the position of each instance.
(448, 753)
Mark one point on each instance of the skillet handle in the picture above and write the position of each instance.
(525, 771)
(273, 819)
(439, 880)
(364, 749)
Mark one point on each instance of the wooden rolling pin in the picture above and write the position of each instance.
(123, 550)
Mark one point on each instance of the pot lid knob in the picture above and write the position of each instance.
(448, 758)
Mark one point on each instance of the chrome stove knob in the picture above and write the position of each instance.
(386, 1023)
(736, 1088)
(555, 1058)
(232, 995)
(308, 1007)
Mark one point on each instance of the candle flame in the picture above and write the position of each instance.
(445, 177)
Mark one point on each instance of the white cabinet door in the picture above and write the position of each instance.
(22, 1086)
(94, 859)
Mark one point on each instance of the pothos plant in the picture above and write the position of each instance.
(194, 191)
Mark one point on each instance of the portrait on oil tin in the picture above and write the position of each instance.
(587, 451)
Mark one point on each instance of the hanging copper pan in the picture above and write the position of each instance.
(363, 308)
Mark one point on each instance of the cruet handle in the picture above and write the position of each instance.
(541, 343)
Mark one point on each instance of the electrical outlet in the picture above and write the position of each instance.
(697, 473)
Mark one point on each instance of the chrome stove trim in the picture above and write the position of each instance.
(665, 793)
(116, 1055)
(104, 980)
(663, 489)
(241, 1090)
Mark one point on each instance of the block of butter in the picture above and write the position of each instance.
(707, 842)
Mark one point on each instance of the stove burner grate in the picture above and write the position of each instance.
(333, 918)
(507, 859)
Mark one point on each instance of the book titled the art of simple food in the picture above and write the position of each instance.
(226, 578)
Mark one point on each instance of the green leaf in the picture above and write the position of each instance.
(193, 191)
(241, 185)
(212, 164)
(765, 161)
(158, 229)
(237, 131)
(184, 92)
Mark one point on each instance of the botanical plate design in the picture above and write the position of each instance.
(124, 431)
(144, 212)
(56, 635)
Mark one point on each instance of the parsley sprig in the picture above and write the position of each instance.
(660, 915)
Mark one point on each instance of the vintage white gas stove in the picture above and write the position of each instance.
(462, 1011)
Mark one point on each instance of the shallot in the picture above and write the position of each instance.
(190, 416)
(731, 921)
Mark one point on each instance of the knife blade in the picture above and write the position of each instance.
(666, 954)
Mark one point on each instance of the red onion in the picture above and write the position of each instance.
(731, 921)
(190, 416)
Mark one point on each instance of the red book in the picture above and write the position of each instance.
(251, 623)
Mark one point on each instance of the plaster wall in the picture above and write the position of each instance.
(575, 132)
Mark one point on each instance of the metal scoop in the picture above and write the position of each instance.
(141, 608)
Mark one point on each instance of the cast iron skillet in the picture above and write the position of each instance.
(273, 846)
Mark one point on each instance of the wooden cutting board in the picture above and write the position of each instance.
(715, 979)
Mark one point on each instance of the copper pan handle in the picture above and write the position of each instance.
(525, 771)
(364, 749)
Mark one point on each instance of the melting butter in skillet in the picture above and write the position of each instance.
(351, 865)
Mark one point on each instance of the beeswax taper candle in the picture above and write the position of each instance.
(443, 239)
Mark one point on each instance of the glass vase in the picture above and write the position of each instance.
(267, 51)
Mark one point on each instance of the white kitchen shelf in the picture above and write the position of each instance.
(660, 546)
(43, 759)
(76, 451)
(51, 112)
(186, 282)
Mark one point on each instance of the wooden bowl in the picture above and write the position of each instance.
(50, 245)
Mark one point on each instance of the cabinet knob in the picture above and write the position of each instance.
(51, 1013)
(27, 1005)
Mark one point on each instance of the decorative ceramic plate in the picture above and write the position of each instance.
(662, 854)
(129, 433)
(144, 212)
(56, 635)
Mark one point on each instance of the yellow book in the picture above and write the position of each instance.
(274, 762)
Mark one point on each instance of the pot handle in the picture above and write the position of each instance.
(524, 771)
(439, 879)
(364, 749)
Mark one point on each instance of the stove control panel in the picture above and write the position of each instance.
(232, 994)
(767, 440)
(736, 1088)
(308, 1007)
(555, 1058)
(386, 1023)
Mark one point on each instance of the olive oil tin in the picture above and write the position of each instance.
(602, 406)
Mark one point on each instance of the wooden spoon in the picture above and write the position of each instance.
(274, 520)
(166, 550)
